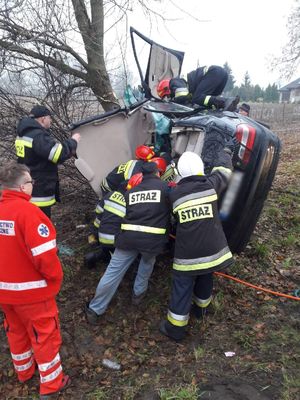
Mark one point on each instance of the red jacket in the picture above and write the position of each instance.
(30, 270)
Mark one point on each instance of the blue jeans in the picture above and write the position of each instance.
(115, 271)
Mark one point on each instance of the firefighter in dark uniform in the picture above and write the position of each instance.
(109, 219)
(41, 153)
(110, 212)
(200, 246)
(125, 171)
(144, 231)
(203, 87)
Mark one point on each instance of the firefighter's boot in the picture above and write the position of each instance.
(173, 332)
(225, 103)
(231, 103)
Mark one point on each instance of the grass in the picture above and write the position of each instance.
(218, 302)
(68, 270)
(236, 268)
(198, 352)
(187, 392)
(244, 339)
(97, 394)
(287, 263)
(290, 240)
(291, 386)
(291, 377)
(261, 250)
(273, 211)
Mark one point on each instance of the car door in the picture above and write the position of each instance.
(162, 63)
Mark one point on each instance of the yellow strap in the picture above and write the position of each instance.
(143, 228)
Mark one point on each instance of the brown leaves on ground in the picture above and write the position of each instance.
(261, 329)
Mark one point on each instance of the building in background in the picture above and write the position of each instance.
(290, 93)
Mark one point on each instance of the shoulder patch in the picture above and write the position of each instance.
(43, 230)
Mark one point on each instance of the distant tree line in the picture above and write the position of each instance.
(249, 92)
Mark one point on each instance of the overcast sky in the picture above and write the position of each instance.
(246, 34)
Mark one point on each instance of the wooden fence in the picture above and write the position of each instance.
(276, 114)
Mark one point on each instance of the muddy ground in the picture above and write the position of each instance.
(261, 329)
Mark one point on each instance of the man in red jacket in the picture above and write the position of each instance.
(29, 286)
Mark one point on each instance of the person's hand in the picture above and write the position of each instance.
(76, 136)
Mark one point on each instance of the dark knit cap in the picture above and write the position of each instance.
(149, 168)
(245, 107)
(39, 111)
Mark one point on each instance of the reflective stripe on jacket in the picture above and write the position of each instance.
(200, 245)
(114, 210)
(179, 91)
(145, 226)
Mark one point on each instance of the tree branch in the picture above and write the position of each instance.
(56, 63)
(38, 37)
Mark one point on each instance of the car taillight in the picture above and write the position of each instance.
(245, 134)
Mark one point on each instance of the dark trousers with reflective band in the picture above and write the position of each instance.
(187, 289)
(33, 335)
(212, 83)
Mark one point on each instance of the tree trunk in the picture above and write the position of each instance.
(92, 32)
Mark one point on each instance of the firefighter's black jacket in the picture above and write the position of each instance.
(201, 246)
(182, 91)
(145, 226)
(194, 78)
(120, 174)
(41, 153)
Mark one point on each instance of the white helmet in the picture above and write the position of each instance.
(190, 164)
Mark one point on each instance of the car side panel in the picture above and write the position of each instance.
(108, 142)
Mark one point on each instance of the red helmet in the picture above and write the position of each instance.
(135, 180)
(163, 88)
(143, 152)
(161, 164)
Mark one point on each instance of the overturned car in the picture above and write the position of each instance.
(111, 138)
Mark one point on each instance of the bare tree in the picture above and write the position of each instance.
(289, 61)
(65, 36)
